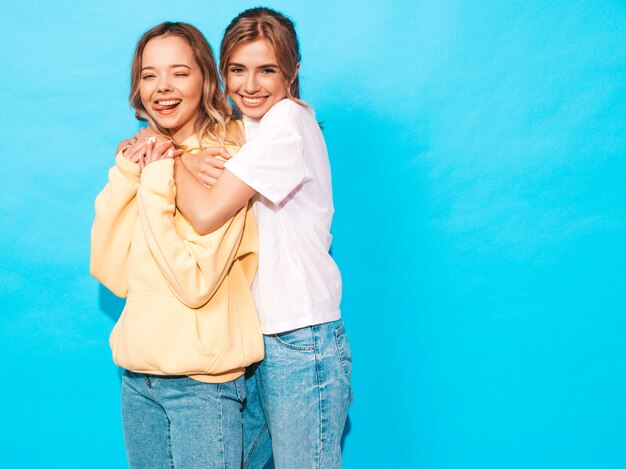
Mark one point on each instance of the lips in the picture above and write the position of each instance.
(252, 102)
(166, 106)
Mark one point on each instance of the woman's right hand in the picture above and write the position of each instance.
(136, 151)
(205, 166)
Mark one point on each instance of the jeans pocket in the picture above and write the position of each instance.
(343, 346)
(298, 339)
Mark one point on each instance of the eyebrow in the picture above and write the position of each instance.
(171, 66)
(259, 66)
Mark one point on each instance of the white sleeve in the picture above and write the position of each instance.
(273, 162)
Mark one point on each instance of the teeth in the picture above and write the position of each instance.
(170, 102)
(252, 100)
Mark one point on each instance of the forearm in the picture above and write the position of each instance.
(193, 265)
(207, 209)
(191, 195)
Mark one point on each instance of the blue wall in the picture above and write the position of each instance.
(479, 161)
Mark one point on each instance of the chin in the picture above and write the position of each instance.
(165, 124)
(256, 113)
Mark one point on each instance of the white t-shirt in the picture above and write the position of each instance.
(285, 160)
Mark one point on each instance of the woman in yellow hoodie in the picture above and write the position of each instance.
(189, 327)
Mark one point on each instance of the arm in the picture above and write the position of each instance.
(111, 234)
(207, 165)
(272, 165)
(116, 216)
(193, 265)
(209, 208)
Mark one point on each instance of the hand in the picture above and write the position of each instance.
(156, 152)
(205, 166)
(136, 151)
(151, 133)
(124, 144)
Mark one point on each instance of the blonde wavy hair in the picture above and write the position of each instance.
(215, 118)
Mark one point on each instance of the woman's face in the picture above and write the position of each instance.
(171, 85)
(254, 80)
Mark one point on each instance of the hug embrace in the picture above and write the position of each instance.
(215, 227)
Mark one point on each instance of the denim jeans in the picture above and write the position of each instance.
(178, 422)
(298, 399)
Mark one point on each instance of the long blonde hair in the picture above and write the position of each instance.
(215, 118)
(275, 28)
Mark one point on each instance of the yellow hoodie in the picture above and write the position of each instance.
(189, 309)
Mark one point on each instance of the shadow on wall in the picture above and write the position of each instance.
(346, 431)
(110, 304)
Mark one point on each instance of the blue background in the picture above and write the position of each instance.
(479, 159)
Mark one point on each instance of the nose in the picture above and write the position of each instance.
(164, 83)
(252, 84)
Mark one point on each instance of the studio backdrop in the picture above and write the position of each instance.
(478, 151)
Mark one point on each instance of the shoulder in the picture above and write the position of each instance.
(234, 126)
(124, 144)
(235, 134)
(288, 110)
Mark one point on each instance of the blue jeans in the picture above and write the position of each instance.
(298, 399)
(178, 422)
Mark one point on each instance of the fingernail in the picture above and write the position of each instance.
(170, 153)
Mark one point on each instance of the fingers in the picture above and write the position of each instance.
(164, 150)
(151, 133)
(212, 169)
(124, 144)
(135, 151)
(147, 149)
(155, 152)
(216, 151)
(150, 153)
(204, 167)
(206, 180)
(209, 162)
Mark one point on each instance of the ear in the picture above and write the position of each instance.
(295, 74)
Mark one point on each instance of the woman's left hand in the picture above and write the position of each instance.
(156, 152)
(152, 134)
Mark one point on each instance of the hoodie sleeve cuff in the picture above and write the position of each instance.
(127, 169)
(158, 176)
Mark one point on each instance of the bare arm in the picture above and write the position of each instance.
(207, 165)
(209, 208)
(193, 265)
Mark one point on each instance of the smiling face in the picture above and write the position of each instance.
(170, 86)
(254, 80)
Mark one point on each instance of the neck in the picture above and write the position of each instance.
(180, 134)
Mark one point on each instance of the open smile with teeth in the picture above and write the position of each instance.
(166, 106)
(253, 101)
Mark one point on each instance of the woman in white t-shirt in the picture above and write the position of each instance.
(300, 394)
